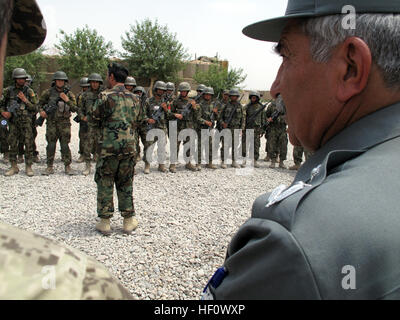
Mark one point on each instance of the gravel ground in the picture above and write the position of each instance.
(186, 220)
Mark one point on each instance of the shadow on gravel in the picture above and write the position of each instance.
(79, 229)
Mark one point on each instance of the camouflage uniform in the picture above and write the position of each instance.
(148, 111)
(83, 131)
(20, 125)
(177, 107)
(90, 144)
(4, 146)
(118, 113)
(298, 154)
(206, 114)
(58, 125)
(238, 122)
(33, 267)
(256, 125)
(276, 136)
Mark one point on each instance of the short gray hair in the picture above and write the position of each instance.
(381, 32)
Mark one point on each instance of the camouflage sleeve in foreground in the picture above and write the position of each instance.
(33, 267)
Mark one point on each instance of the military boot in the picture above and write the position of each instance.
(172, 168)
(20, 158)
(49, 170)
(162, 168)
(244, 164)
(198, 167)
(190, 167)
(36, 158)
(68, 170)
(256, 164)
(267, 159)
(104, 227)
(147, 168)
(273, 164)
(29, 171)
(13, 170)
(295, 167)
(6, 157)
(88, 169)
(211, 166)
(224, 166)
(235, 165)
(282, 165)
(81, 159)
(130, 224)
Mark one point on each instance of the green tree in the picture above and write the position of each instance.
(34, 63)
(152, 52)
(220, 78)
(84, 52)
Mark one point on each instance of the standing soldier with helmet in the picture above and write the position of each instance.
(130, 84)
(170, 92)
(151, 107)
(84, 84)
(177, 109)
(119, 113)
(208, 116)
(254, 119)
(86, 120)
(59, 102)
(233, 116)
(277, 139)
(18, 106)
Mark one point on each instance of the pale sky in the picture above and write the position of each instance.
(205, 27)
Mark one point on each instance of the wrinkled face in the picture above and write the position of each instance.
(306, 87)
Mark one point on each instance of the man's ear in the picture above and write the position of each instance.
(355, 62)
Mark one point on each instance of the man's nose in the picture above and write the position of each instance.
(275, 88)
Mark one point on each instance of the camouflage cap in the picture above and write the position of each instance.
(234, 92)
(130, 81)
(255, 94)
(84, 82)
(139, 89)
(28, 29)
(19, 73)
(209, 90)
(95, 77)
(201, 87)
(170, 86)
(226, 92)
(271, 29)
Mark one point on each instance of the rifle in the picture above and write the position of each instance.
(50, 109)
(188, 108)
(157, 113)
(274, 116)
(250, 120)
(230, 118)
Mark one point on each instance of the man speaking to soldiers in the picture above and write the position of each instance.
(334, 234)
(118, 113)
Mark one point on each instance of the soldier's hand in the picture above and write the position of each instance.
(85, 119)
(224, 125)
(164, 106)
(6, 115)
(64, 97)
(151, 121)
(43, 114)
(215, 110)
(193, 103)
(270, 120)
(22, 97)
(178, 116)
(208, 123)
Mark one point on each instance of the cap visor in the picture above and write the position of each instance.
(271, 30)
(28, 29)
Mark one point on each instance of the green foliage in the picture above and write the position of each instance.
(220, 78)
(152, 52)
(33, 63)
(84, 52)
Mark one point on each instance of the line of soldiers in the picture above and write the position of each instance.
(19, 106)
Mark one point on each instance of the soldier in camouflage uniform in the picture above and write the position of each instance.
(130, 85)
(118, 113)
(298, 157)
(85, 113)
(33, 267)
(277, 137)
(190, 122)
(4, 146)
(83, 130)
(208, 117)
(151, 106)
(25, 101)
(238, 121)
(255, 117)
(58, 124)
